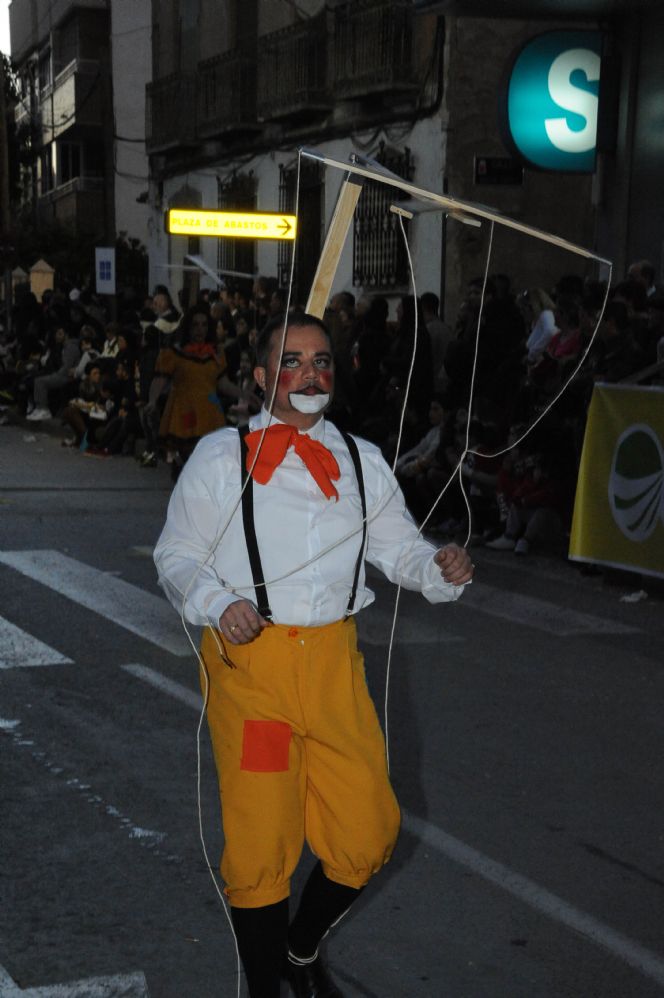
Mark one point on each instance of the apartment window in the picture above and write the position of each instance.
(69, 154)
(45, 73)
(237, 194)
(93, 160)
(45, 170)
(379, 256)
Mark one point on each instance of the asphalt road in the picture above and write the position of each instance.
(526, 746)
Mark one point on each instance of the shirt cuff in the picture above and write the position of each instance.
(218, 605)
(434, 587)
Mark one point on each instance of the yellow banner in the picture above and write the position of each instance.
(236, 224)
(619, 507)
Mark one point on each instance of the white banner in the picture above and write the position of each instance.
(105, 270)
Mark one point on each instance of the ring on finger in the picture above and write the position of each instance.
(232, 628)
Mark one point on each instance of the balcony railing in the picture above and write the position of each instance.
(292, 71)
(227, 94)
(372, 50)
(79, 185)
(170, 112)
(74, 98)
(78, 205)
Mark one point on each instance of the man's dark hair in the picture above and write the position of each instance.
(430, 302)
(296, 320)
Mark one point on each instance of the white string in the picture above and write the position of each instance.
(450, 479)
(368, 519)
(458, 470)
(394, 465)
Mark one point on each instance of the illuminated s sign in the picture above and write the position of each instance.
(242, 225)
(553, 100)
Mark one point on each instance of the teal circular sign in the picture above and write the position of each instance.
(553, 99)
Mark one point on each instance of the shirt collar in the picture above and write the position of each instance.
(261, 419)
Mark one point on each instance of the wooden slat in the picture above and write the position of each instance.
(334, 244)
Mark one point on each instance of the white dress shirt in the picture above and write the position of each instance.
(303, 538)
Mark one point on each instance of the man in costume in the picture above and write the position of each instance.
(276, 576)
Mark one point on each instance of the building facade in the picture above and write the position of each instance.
(238, 87)
(82, 69)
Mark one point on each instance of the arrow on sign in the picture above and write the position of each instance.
(285, 227)
(116, 986)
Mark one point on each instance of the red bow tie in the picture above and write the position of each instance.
(320, 461)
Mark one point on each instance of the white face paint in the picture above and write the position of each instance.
(309, 404)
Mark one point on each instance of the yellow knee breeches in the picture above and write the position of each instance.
(300, 755)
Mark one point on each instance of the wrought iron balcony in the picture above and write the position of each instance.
(292, 71)
(372, 51)
(170, 112)
(77, 205)
(73, 99)
(227, 94)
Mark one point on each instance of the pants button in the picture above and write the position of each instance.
(292, 633)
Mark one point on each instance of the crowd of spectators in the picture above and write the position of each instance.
(154, 380)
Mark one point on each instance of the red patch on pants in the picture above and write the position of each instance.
(265, 746)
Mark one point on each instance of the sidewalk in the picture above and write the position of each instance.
(31, 452)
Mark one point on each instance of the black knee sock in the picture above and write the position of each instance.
(262, 935)
(323, 902)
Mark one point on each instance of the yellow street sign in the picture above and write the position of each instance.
(236, 224)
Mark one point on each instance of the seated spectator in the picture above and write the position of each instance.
(79, 411)
(439, 487)
(415, 465)
(421, 455)
(111, 347)
(88, 352)
(563, 349)
(537, 309)
(615, 354)
(479, 475)
(62, 377)
(538, 508)
(118, 434)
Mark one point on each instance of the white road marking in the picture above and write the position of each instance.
(529, 611)
(147, 837)
(150, 617)
(7, 725)
(19, 649)
(116, 986)
(165, 684)
(526, 890)
(645, 961)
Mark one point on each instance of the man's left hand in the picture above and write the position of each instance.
(454, 564)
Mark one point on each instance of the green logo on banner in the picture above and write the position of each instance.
(636, 483)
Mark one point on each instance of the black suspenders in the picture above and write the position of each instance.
(250, 530)
(357, 464)
(262, 601)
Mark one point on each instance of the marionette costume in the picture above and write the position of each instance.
(297, 743)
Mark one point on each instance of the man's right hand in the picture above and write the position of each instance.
(241, 622)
